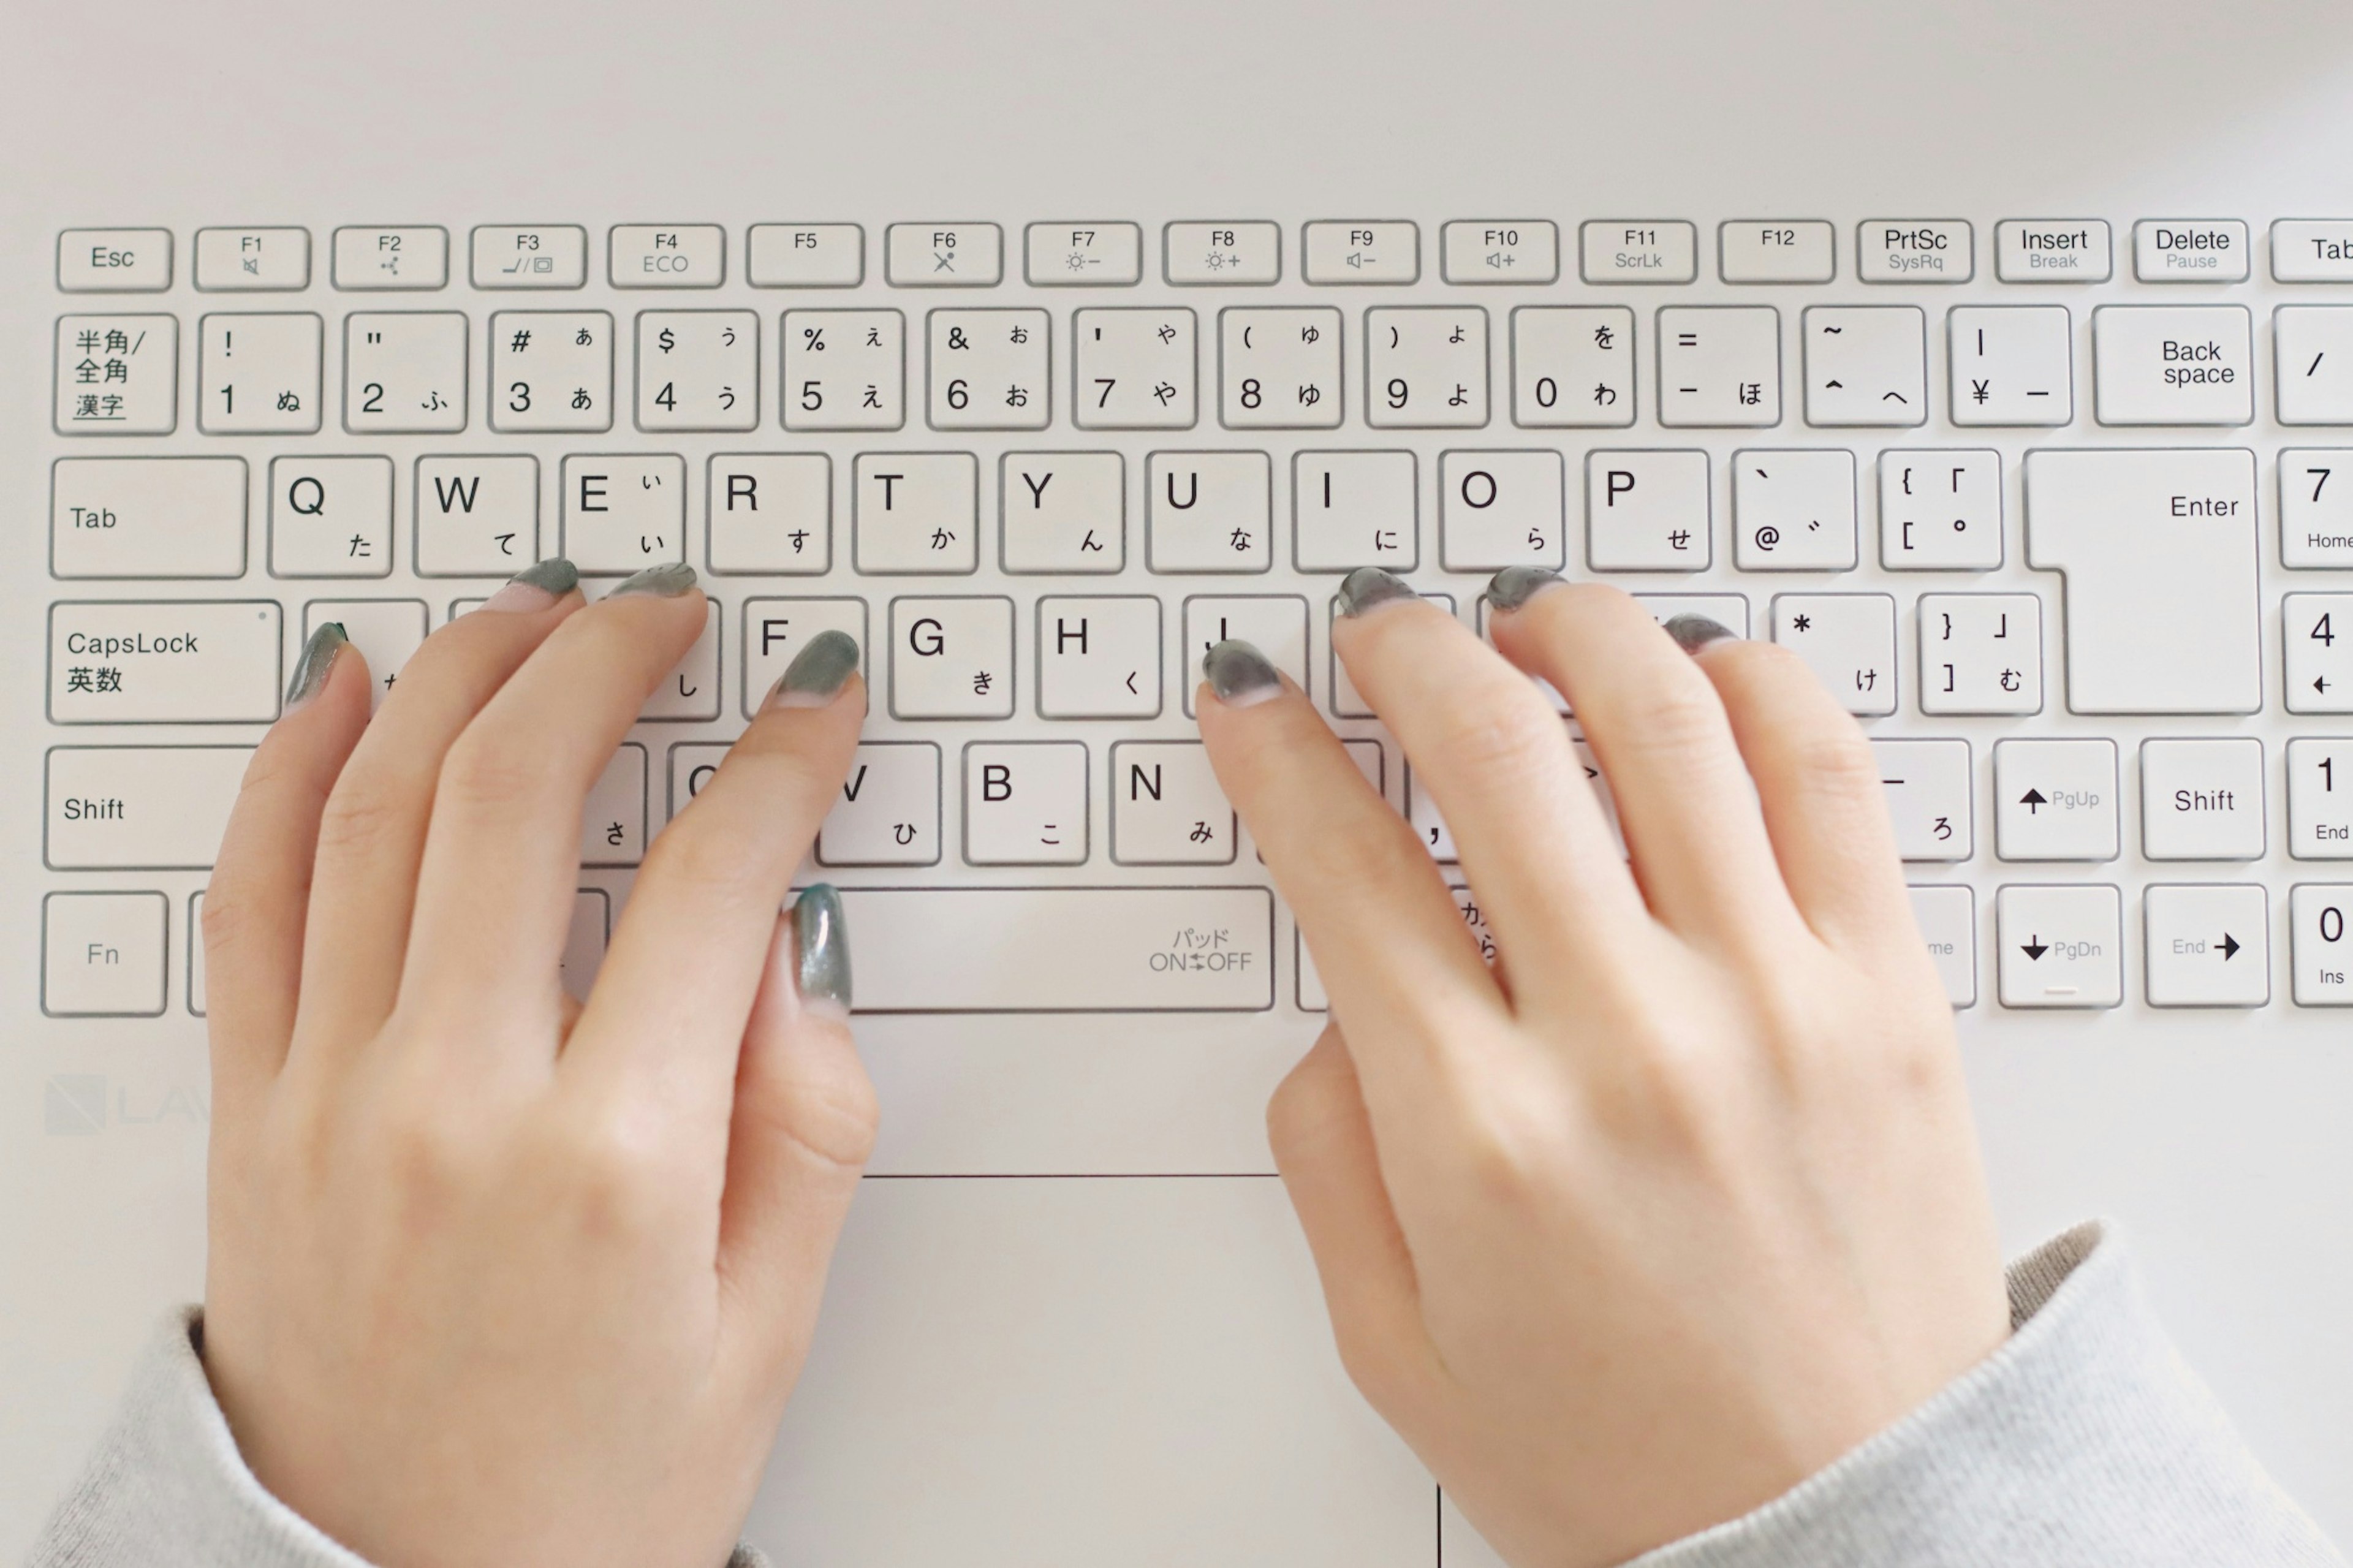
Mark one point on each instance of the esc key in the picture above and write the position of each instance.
(114, 260)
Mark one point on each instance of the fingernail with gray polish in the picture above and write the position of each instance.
(1370, 587)
(318, 662)
(537, 586)
(1240, 674)
(1693, 633)
(821, 946)
(817, 673)
(1515, 585)
(667, 581)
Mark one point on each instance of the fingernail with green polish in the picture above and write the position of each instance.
(821, 946)
(1240, 674)
(318, 662)
(1693, 633)
(1370, 587)
(1515, 585)
(817, 673)
(667, 581)
(537, 586)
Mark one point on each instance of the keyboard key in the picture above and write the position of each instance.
(1025, 803)
(530, 257)
(613, 819)
(1646, 512)
(845, 370)
(1719, 366)
(775, 630)
(691, 689)
(1848, 642)
(2168, 250)
(1501, 509)
(1276, 623)
(990, 370)
(1166, 806)
(1915, 250)
(916, 511)
(1981, 653)
(149, 517)
(404, 371)
(477, 516)
(1776, 250)
(2053, 250)
(888, 812)
(2313, 360)
(1947, 919)
(1063, 511)
(1279, 369)
(330, 517)
(2316, 913)
(2320, 799)
(259, 374)
(2011, 364)
(623, 513)
(2202, 800)
(154, 808)
(1097, 255)
(1572, 365)
(1940, 512)
(102, 954)
(1866, 364)
(2316, 630)
(2061, 946)
(805, 256)
(239, 259)
(1421, 814)
(1361, 250)
(2159, 553)
(1134, 370)
(973, 950)
(584, 941)
(2160, 364)
(944, 255)
(180, 661)
(2312, 250)
(1355, 508)
(551, 369)
(1209, 511)
(1793, 511)
(385, 631)
(1927, 786)
(770, 513)
(2209, 945)
(116, 375)
(2054, 800)
(413, 257)
(666, 255)
(1221, 253)
(698, 370)
(114, 260)
(1426, 368)
(2316, 498)
(1099, 657)
(952, 658)
(1637, 250)
(1500, 251)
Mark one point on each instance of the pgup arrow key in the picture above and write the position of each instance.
(2034, 800)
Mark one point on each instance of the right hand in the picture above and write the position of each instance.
(1679, 1201)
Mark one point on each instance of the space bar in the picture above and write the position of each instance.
(1060, 950)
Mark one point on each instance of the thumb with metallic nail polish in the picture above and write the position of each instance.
(821, 949)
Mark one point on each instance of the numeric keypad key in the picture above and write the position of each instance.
(2316, 630)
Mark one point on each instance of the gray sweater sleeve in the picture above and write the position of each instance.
(2084, 1441)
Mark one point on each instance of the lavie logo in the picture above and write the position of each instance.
(84, 1105)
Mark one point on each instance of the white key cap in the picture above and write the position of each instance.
(416, 257)
(404, 371)
(2170, 250)
(1209, 511)
(182, 661)
(531, 255)
(229, 259)
(770, 513)
(613, 819)
(888, 812)
(1647, 511)
(916, 511)
(1356, 508)
(2316, 630)
(2053, 250)
(114, 260)
(952, 658)
(2202, 800)
(2316, 915)
(775, 630)
(666, 255)
(1501, 509)
(1940, 512)
(1276, 623)
(691, 689)
(584, 942)
(477, 517)
(1947, 919)
(1719, 366)
(2316, 496)
(1866, 364)
(2011, 365)
(1426, 368)
(1915, 250)
(1360, 250)
(1793, 511)
(1166, 806)
(623, 512)
(1927, 785)
(2054, 800)
(973, 950)
(845, 370)
(1099, 658)
(1421, 814)
(1572, 365)
(2161, 364)
(1776, 250)
(156, 808)
(805, 256)
(102, 954)
(1097, 255)
(2312, 250)
(2312, 358)
(1221, 253)
(150, 517)
(385, 631)
(944, 255)
(551, 369)
(2320, 799)
(2061, 946)
(1981, 653)
(1063, 511)
(1637, 250)
(2209, 945)
(990, 370)
(2159, 551)
(1279, 369)
(1133, 370)
(1500, 250)
(116, 375)
(258, 375)
(1848, 640)
(1025, 803)
(698, 370)
(330, 517)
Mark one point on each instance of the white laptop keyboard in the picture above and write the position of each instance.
(2062, 509)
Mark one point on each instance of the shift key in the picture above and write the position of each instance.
(169, 661)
